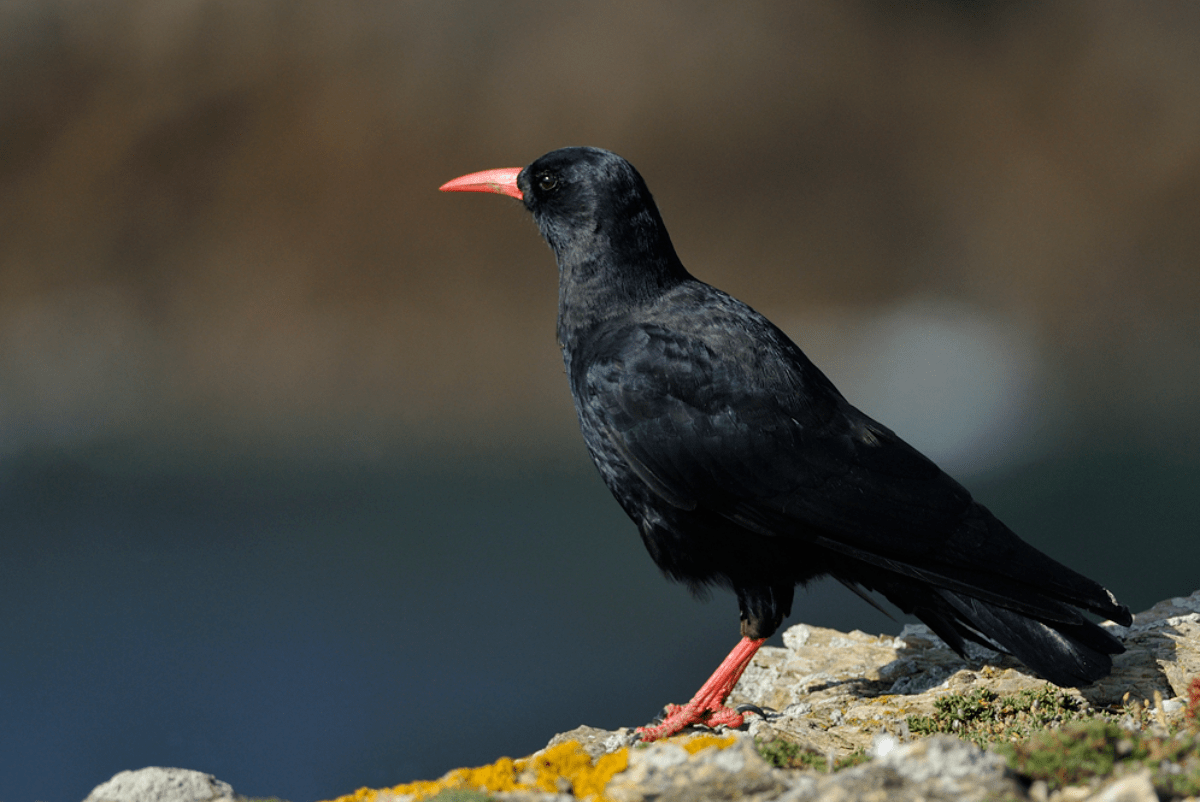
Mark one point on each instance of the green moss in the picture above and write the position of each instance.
(983, 716)
(787, 755)
(857, 757)
(1080, 751)
(1068, 756)
(1047, 735)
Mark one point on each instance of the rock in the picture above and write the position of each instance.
(937, 768)
(1134, 788)
(596, 741)
(668, 771)
(154, 784)
(941, 767)
(834, 692)
(1163, 653)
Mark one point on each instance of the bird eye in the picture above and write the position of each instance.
(547, 182)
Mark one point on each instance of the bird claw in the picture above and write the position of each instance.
(668, 710)
(680, 717)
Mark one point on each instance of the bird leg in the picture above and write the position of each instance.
(708, 705)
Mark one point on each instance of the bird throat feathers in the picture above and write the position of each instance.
(605, 271)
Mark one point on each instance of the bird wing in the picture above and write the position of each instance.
(760, 436)
(753, 432)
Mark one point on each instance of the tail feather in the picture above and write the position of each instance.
(985, 561)
(1011, 559)
(1067, 655)
(984, 584)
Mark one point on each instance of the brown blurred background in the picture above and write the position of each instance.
(221, 246)
(223, 214)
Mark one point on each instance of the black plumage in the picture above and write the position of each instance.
(744, 467)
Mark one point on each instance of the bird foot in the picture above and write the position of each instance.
(682, 716)
(708, 705)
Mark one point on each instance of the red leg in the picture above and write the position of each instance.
(708, 705)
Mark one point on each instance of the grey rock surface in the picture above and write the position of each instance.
(596, 741)
(1134, 788)
(938, 768)
(155, 784)
(667, 772)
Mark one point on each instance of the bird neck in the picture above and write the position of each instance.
(592, 289)
(604, 273)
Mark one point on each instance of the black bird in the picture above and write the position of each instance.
(744, 467)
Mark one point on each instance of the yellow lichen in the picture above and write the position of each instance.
(568, 761)
(705, 741)
(565, 763)
(361, 795)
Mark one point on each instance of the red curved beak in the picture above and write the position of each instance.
(502, 181)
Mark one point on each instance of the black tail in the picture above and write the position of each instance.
(988, 586)
(1066, 653)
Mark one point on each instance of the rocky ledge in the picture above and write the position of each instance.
(899, 718)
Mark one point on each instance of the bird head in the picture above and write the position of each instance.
(586, 201)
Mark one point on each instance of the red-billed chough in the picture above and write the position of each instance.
(743, 466)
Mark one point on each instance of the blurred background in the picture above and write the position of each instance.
(290, 485)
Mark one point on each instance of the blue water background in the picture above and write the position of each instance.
(303, 629)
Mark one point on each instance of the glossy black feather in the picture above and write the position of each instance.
(743, 466)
